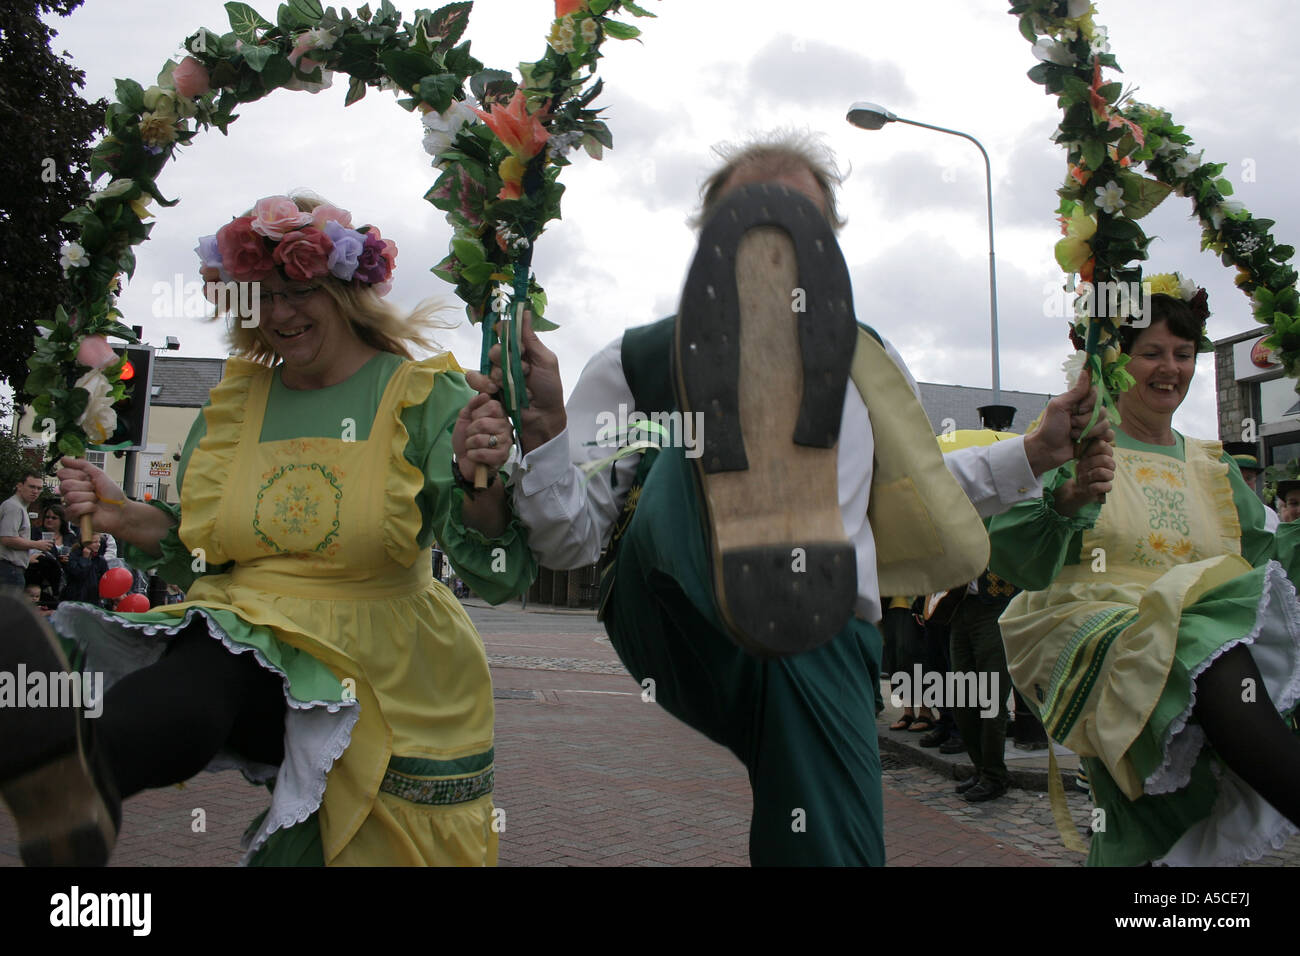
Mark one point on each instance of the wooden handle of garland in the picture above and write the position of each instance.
(87, 529)
(480, 477)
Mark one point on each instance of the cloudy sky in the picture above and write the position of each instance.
(710, 71)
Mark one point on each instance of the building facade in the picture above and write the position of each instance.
(1256, 401)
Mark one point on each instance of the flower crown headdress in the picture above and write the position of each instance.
(302, 245)
(1176, 286)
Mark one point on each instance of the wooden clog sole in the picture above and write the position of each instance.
(764, 339)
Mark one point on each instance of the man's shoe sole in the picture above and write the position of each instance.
(764, 340)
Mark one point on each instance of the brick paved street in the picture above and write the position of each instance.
(589, 774)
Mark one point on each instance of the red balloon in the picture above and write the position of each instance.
(115, 583)
(133, 603)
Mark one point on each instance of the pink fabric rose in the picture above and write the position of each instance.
(305, 254)
(323, 214)
(94, 352)
(243, 252)
(276, 215)
(191, 78)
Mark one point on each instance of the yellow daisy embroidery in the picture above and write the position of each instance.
(1182, 549)
(1157, 542)
(1171, 479)
(1145, 474)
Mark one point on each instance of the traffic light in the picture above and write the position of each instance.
(133, 410)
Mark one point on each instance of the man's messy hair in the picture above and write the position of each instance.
(778, 151)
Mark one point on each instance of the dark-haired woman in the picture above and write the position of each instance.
(1159, 636)
(48, 568)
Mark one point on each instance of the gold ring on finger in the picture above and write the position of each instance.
(492, 441)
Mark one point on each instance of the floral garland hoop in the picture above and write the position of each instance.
(1107, 136)
(498, 180)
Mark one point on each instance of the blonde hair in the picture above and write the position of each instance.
(374, 321)
(775, 152)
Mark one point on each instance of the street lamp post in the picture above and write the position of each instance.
(872, 117)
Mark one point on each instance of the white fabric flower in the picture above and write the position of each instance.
(1073, 368)
(99, 421)
(1187, 164)
(1100, 42)
(71, 256)
(319, 38)
(112, 190)
(306, 86)
(1078, 8)
(1224, 210)
(559, 145)
(589, 30)
(440, 129)
(1110, 198)
(1186, 287)
(1049, 51)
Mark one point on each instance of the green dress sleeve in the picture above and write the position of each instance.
(1258, 545)
(496, 568)
(176, 564)
(1031, 542)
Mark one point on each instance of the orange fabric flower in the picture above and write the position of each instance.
(564, 7)
(521, 132)
(1100, 108)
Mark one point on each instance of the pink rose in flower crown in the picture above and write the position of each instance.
(95, 352)
(244, 254)
(304, 254)
(323, 214)
(190, 78)
(378, 258)
(276, 215)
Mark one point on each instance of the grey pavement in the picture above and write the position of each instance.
(590, 774)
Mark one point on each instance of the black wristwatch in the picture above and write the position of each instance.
(463, 483)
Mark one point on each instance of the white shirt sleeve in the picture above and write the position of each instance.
(569, 518)
(994, 477)
(1271, 519)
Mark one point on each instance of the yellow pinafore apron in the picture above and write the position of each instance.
(322, 532)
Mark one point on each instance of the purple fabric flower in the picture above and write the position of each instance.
(348, 246)
(372, 267)
(209, 252)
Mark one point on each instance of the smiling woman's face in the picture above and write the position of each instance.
(302, 325)
(1162, 365)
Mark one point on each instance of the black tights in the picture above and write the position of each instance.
(162, 724)
(1249, 735)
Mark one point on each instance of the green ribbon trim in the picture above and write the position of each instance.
(425, 767)
(1093, 364)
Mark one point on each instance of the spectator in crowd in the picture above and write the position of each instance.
(48, 568)
(86, 565)
(1288, 501)
(16, 540)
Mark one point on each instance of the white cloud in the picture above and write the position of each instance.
(708, 72)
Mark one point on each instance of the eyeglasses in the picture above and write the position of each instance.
(292, 296)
